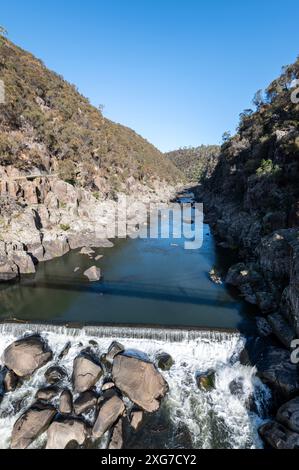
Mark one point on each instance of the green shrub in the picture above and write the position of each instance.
(267, 168)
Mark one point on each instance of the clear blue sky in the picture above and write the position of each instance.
(179, 72)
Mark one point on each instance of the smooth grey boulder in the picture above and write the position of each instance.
(288, 415)
(47, 393)
(93, 274)
(31, 425)
(61, 434)
(85, 402)
(164, 361)
(66, 402)
(114, 349)
(27, 355)
(55, 374)
(278, 436)
(109, 413)
(140, 381)
(86, 373)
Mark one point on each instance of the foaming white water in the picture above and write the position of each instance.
(215, 419)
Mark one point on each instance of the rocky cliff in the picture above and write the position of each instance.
(252, 202)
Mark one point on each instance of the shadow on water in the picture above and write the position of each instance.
(132, 289)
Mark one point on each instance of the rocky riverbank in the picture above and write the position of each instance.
(45, 217)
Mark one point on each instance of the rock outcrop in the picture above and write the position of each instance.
(27, 355)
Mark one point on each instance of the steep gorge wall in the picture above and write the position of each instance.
(252, 203)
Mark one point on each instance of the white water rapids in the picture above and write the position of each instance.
(215, 419)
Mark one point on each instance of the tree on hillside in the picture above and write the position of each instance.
(3, 31)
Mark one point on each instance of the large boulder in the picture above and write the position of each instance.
(140, 381)
(93, 274)
(30, 425)
(278, 436)
(62, 434)
(109, 413)
(86, 373)
(26, 355)
(288, 415)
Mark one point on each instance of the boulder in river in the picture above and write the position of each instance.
(86, 373)
(109, 413)
(65, 350)
(66, 402)
(47, 393)
(55, 374)
(30, 425)
(136, 419)
(27, 355)
(206, 380)
(86, 251)
(164, 360)
(288, 415)
(93, 274)
(140, 381)
(85, 402)
(68, 432)
(276, 369)
(114, 349)
(107, 386)
(278, 436)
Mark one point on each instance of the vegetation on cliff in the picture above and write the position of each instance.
(196, 163)
(259, 166)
